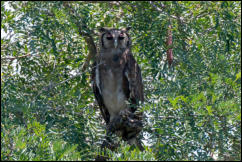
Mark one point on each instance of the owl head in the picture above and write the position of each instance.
(115, 38)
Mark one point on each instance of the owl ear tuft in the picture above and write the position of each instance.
(126, 29)
(102, 30)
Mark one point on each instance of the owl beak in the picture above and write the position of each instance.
(115, 43)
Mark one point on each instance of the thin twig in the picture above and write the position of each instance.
(50, 86)
(160, 10)
(17, 57)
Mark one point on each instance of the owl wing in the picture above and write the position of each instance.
(97, 92)
(132, 84)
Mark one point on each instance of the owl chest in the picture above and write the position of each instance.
(112, 90)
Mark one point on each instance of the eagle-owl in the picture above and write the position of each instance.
(117, 83)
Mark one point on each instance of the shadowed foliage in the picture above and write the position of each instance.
(190, 59)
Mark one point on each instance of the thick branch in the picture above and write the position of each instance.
(87, 36)
(91, 47)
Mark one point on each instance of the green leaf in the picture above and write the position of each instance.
(209, 109)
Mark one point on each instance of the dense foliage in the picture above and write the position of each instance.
(192, 107)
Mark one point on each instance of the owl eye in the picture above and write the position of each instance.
(121, 37)
(109, 37)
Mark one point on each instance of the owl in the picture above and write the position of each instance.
(117, 84)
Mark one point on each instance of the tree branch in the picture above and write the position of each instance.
(160, 10)
(87, 36)
(52, 85)
(17, 57)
